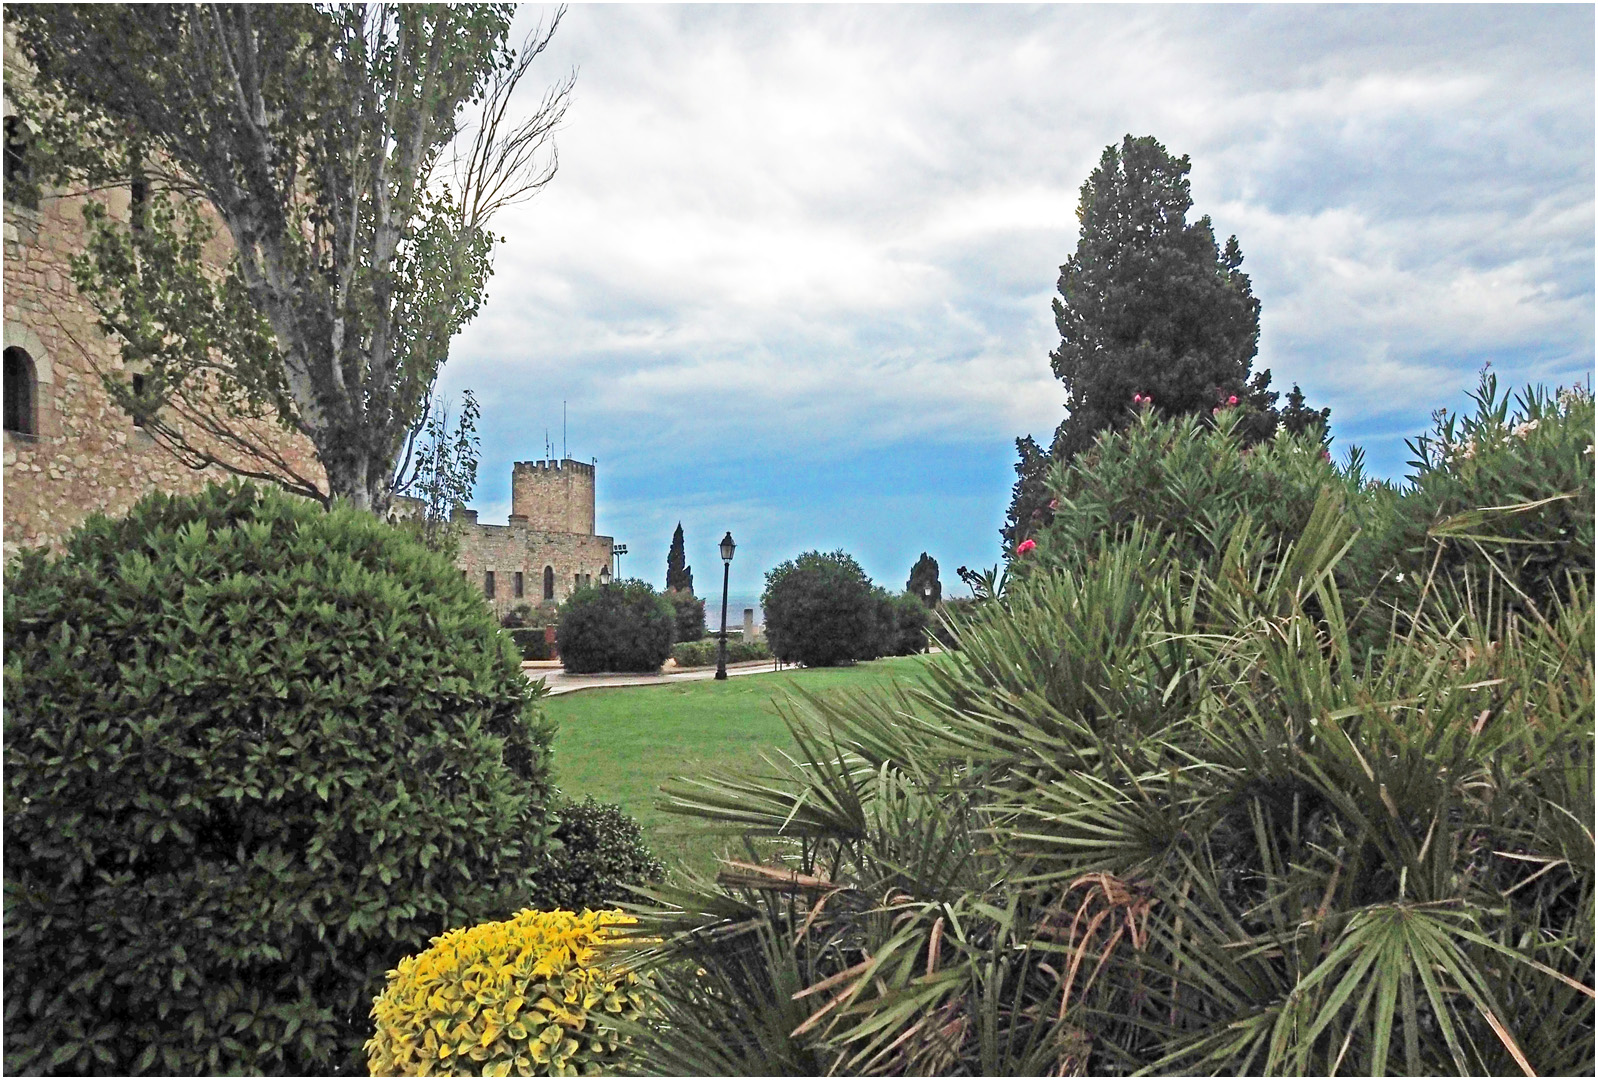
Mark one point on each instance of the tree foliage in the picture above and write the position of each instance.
(924, 584)
(355, 157)
(444, 471)
(821, 610)
(255, 753)
(1151, 313)
(679, 575)
(690, 615)
(619, 626)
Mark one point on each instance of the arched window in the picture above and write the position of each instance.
(549, 583)
(20, 393)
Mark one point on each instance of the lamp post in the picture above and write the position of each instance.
(618, 550)
(727, 547)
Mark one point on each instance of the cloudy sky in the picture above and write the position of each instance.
(793, 277)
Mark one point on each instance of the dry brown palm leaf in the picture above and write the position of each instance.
(1108, 904)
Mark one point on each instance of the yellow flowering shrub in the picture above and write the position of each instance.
(524, 997)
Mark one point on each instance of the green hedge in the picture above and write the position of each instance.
(255, 752)
(703, 653)
(530, 643)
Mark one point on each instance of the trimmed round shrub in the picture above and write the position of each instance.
(690, 614)
(530, 996)
(622, 626)
(821, 610)
(255, 753)
(598, 849)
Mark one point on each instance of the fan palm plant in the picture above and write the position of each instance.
(1159, 816)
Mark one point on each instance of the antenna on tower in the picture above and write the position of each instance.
(548, 450)
(563, 429)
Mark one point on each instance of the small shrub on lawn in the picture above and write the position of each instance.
(622, 626)
(821, 610)
(599, 849)
(530, 996)
(255, 752)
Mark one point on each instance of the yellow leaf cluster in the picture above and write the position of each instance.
(526, 997)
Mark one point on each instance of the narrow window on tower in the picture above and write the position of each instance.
(516, 585)
(488, 584)
(138, 391)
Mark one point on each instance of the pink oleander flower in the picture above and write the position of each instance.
(1232, 400)
(1054, 504)
(1024, 546)
(1215, 411)
(1326, 454)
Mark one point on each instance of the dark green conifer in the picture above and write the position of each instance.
(678, 575)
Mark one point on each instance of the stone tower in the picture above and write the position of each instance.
(553, 496)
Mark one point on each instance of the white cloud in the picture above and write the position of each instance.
(822, 230)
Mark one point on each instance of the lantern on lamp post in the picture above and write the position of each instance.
(727, 548)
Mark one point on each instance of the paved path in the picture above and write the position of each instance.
(562, 683)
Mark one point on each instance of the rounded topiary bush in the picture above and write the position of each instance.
(821, 610)
(599, 849)
(526, 997)
(255, 752)
(621, 626)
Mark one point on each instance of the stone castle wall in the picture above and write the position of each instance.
(554, 496)
(571, 559)
(86, 455)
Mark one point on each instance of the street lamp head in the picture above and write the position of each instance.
(604, 575)
(727, 547)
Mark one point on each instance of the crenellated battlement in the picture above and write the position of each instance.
(561, 466)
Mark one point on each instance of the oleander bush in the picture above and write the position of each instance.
(703, 653)
(1162, 814)
(598, 851)
(619, 626)
(1189, 479)
(821, 610)
(535, 995)
(255, 752)
(1510, 485)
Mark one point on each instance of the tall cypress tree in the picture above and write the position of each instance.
(1149, 305)
(924, 584)
(678, 575)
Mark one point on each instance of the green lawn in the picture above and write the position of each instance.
(620, 744)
